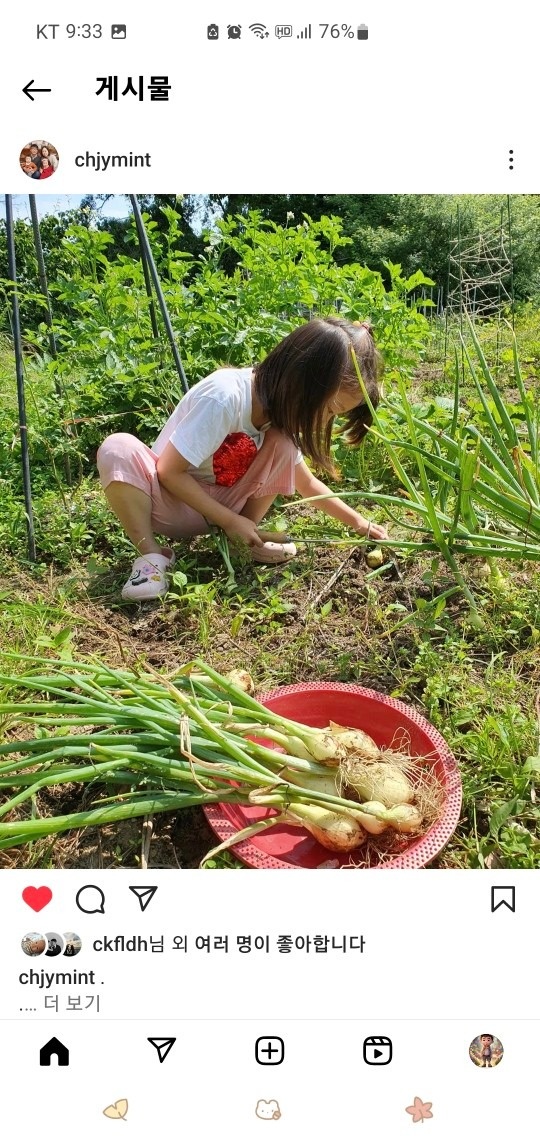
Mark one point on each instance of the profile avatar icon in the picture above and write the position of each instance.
(34, 944)
(234, 31)
(39, 159)
(72, 944)
(486, 1051)
(55, 944)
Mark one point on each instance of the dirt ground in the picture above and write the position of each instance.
(285, 647)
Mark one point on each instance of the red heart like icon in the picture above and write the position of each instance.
(37, 897)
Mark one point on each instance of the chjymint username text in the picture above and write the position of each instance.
(103, 162)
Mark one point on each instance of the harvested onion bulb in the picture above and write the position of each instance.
(403, 818)
(379, 781)
(242, 680)
(331, 829)
(356, 741)
(375, 558)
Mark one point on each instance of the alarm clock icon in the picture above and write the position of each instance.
(234, 31)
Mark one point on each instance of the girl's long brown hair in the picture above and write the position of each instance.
(296, 381)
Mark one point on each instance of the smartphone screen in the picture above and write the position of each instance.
(269, 538)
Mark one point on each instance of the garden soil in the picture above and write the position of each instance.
(328, 629)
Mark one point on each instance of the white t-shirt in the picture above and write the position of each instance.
(216, 408)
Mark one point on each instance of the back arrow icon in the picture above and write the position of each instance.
(35, 90)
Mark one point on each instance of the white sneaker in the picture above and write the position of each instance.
(148, 577)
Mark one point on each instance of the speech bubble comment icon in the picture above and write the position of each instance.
(90, 899)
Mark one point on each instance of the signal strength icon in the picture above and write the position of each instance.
(306, 34)
(259, 30)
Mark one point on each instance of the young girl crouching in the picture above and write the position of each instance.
(236, 440)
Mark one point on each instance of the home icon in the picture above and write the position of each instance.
(54, 1048)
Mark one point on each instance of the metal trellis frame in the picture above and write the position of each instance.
(146, 252)
(480, 280)
(147, 278)
(48, 312)
(19, 371)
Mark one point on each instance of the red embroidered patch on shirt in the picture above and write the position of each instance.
(231, 461)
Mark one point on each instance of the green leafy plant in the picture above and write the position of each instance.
(472, 492)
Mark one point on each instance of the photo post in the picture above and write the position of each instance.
(197, 487)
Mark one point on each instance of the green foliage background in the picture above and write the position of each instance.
(111, 375)
(414, 230)
(236, 280)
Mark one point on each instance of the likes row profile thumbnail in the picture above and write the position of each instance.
(51, 944)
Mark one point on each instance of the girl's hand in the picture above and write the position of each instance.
(371, 529)
(241, 529)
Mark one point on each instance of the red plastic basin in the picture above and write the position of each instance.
(289, 848)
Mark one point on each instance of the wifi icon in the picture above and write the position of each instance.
(259, 30)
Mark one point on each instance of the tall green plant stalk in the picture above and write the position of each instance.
(475, 491)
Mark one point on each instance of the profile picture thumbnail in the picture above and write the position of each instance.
(39, 159)
(72, 944)
(486, 1051)
(55, 944)
(34, 944)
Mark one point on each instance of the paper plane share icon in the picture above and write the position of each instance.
(144, 895)
(163, 1045)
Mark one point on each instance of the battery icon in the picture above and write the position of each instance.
(283, 31)
(362, 32)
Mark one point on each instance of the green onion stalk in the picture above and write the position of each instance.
(141, 743)
(468, 491)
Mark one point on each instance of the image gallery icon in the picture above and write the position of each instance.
(118, 31)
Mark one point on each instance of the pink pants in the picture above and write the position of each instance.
(122, 458)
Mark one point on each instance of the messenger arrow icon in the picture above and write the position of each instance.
(163, 1045)
(144, 895)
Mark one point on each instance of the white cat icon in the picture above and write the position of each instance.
(268, 1110)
